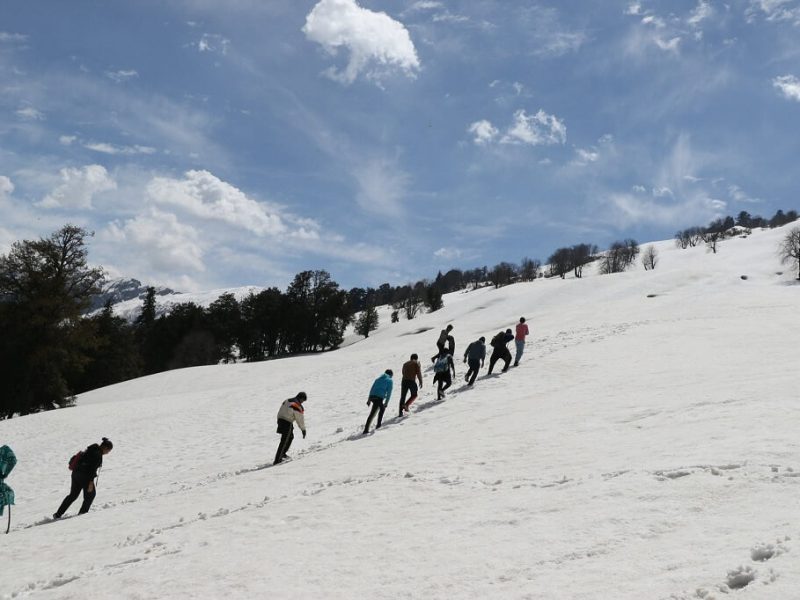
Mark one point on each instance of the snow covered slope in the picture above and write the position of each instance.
(646, 448)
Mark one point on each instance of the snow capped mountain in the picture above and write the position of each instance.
(646, 447)
(124, 289)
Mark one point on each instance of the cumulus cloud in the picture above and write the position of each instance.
(584, 156)
(159, 240)
(375, 41)
(66, 140)
(382, 186)
(204, 195)
(483, 131)
(6, 187)
(701, 12)
(105, 148)
(448, 253)
(775, 10)
(213, 42)
(535, 130)
(78, 187)
(29, 113)
(788, 85)
(540, 129)
(122, 75)
(634, 8)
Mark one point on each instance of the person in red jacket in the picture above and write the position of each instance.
(519, 339)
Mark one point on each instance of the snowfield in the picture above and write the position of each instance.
(646, 448)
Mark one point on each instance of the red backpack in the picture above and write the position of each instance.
(76, 458)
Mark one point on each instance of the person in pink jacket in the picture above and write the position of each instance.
(519, 339)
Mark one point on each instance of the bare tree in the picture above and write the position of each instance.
(650, 258)
(619, 256)
(789, 249)
(529, 269)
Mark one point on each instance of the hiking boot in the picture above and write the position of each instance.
(56, 516)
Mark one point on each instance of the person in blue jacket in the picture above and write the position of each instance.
(379, 395)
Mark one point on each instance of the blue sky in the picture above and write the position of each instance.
(213, 144)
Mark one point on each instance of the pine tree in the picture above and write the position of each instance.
(368, 321)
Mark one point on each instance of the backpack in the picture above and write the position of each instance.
(441, 364)
(497, 340)
(76, 458)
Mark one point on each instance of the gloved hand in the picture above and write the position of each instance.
(304, 434)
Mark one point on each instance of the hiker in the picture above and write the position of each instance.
(443, 367)
(84, 466)
(501, 350)
(412, 372)
(519, 339)
(443, 335)
(379, 395)
(290, 412)
(451, 345)
(475, 357)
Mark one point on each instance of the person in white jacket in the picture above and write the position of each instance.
(290, 412)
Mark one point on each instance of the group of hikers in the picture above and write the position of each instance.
(84, 465)
(292, 411)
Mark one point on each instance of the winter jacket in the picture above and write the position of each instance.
(476, 351)
(382, 388)
(412, 370)
(291, 410)
(522, 331)
(91, 460)
(500, 340)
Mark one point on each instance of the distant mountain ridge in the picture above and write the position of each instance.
(123, 289)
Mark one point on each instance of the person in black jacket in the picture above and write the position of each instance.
(500, 345)
(83, 475)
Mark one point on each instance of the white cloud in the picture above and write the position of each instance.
(382, 186)
(662, 192)
(448, 17)
(426, 5)
(775, 10)
(204, 195)
(66, 140)
(702, 11)
(29, 113)
(105, 148)
(584, 157)
(639, 189)
(160, 241)
(739, 195)
(634, 8)
(213, 42)
(121, 75)
(448, 253)
(670, 45)
(6, 187)
(7, 37)
(629, 209)
(789, 86)
(375, 41)
(653, 20)
(535, 130)
(483, 131)
(78, 187)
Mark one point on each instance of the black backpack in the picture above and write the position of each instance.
(497, 340)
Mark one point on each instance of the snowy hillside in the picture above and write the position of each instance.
(645, 448)
(130, 309)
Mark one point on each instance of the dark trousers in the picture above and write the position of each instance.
(286, 429)
(378, 408)
(503, 353)
(407, 386)
(80, 483)
(474, 367)
(445, 381)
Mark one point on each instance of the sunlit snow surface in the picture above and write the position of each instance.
(646, 448)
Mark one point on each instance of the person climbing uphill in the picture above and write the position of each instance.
(499, 343)
(519, 339)
(443, 335)
(379, 395)
(443, 367)
(84, 466)
(412, 372)
(475, 357)
(290, 412)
